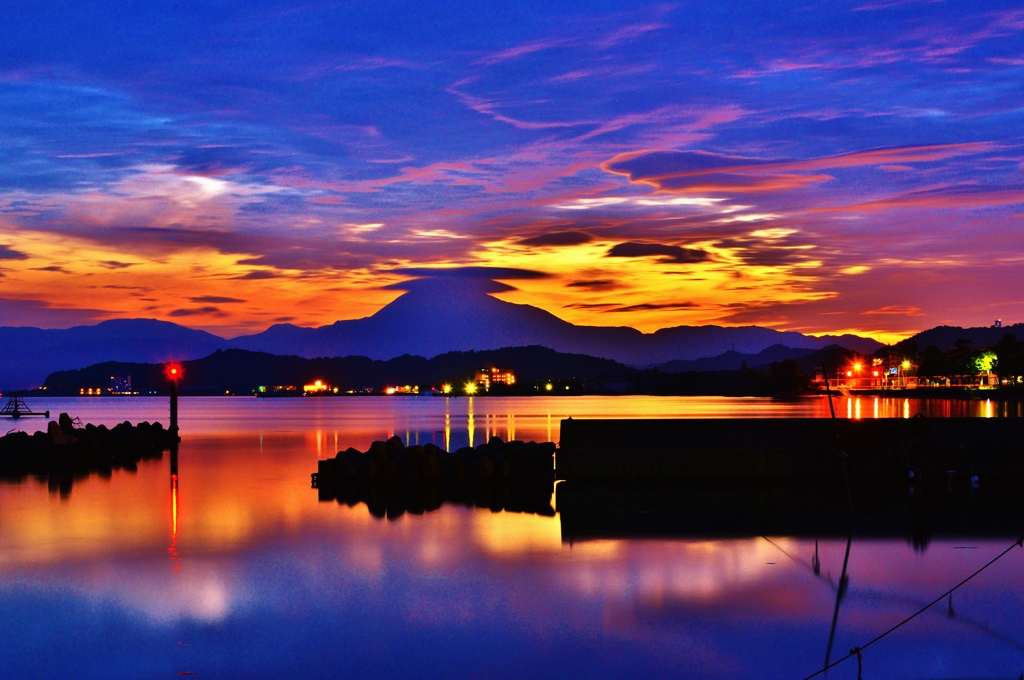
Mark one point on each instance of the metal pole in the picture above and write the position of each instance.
(174, 407)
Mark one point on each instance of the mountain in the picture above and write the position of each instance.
(30, 354)
(944, 337)
(436, 315)
(733, 361)
(439, 315)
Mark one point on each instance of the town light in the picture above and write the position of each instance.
(470, 388)
(549, 387)
(905, 364)
(857, 367)
(446, 388)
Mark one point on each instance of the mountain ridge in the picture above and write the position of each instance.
(434, 317)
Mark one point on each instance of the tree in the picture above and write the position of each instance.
(962, 358)
(934, 363)
(787, 376)
(1010, 362)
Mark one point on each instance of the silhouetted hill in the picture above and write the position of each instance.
(732, 361)
(944, 337)
(29, 354)
(242, 371)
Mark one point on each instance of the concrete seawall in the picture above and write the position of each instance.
(780, 448)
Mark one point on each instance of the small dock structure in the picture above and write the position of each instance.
(17, 408)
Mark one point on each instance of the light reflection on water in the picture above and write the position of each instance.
(454, 422)
(236, 570)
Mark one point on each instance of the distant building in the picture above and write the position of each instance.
(278, 391)
(998, 323)
(318, 387)
(491, 375)
(121, 385)
(402, 389)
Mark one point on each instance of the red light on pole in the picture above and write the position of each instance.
(174, 372)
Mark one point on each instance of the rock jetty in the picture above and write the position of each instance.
(66, 451)
(393, 479)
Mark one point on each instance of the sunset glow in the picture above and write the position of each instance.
(655, 167)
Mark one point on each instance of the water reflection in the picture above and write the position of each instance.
(265, 578)
(356, 421)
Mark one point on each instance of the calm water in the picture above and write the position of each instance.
(242, 573)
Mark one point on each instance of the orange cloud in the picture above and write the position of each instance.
(896, 310)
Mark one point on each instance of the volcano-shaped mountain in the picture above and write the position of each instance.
(440, 315)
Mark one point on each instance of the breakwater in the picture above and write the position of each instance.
(67, 451)
(393, 479)
(893, 449)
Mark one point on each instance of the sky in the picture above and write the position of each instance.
(810, 166)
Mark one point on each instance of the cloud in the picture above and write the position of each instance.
(648, 306)
(469, 273)
(489, 107)
(258, 275)
(666, 253)
(558, 238)
(21, 312)
(519, 51)
(896, 310)
(705, 172)
(935, 199)
(194, 311)
(214, 299)
(8, 253)
(593, 284)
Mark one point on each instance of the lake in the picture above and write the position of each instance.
(236, 569)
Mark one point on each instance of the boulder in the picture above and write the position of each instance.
(66, 425)
(394, 447)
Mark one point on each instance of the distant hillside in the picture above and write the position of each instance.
(29, 354)
(733, 361)
(242, 371)
(944, 337)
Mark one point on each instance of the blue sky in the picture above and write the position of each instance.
(809, 166)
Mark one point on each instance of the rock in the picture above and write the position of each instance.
(53, 429)
(434, 450)
(66, 426)
(394, 447)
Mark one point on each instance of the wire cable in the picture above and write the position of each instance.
(856, 651)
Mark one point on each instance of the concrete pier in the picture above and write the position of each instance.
(786, 448)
